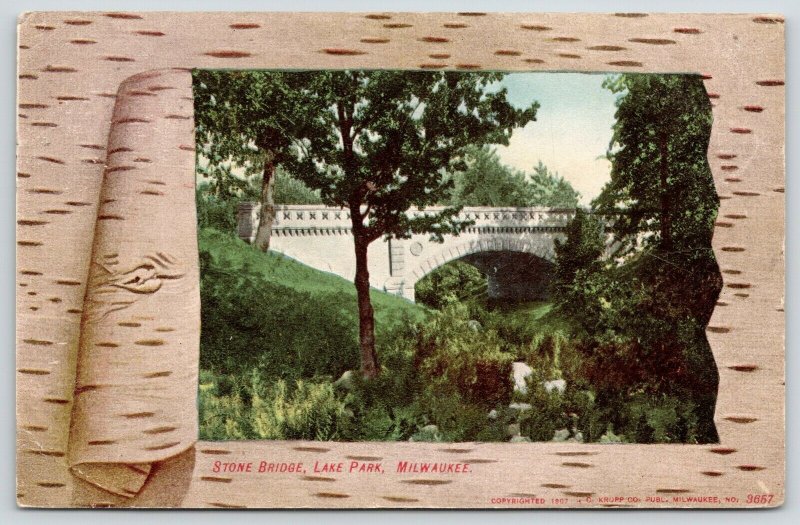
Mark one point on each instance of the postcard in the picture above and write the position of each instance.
(400, 260)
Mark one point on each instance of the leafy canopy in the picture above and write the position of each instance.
(391, 135)
(243, 116)
(660, 174)
(488, 182)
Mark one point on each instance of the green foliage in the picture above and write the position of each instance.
(287, 319)
(289, 190)
(243, 116)
(214, 212)
(454, 282)
(373, 142)
(626, 334)
(218, 208)
(581, 250)
(551, 190)
(248, 322)
(548, 413)
(661, 182)
(390, 136)
(642, 317)
(231, 254)
(488, 182)
(306, 411)
(222, 416)
(653, 418)
(252, 407)
(454, 358)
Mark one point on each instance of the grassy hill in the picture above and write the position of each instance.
(271, 312)
(285, 271)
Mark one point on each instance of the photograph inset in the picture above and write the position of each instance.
(455, 256)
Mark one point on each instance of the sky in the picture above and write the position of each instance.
(572, 129)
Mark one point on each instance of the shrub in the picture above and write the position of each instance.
(304, 411)
(215, 212)
(289, 190)
(453, 358)
(548, 412)
(451, 283)
(222, 417)
(455, 418)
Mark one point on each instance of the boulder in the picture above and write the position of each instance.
(520, 372)
(561, 435)
(610, 438)
(556, 385)
(427, 433)
(512, 430)
(430, 429)
(520, 439)
(474, 325)
(520, 407)
(346, 381)
(492, 414)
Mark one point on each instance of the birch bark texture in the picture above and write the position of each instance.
(135, 390)
(80, 418)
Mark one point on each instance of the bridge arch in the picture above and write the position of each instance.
(542, 248)
(538, 245)
(321, 237)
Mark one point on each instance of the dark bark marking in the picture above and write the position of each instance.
(228, 53)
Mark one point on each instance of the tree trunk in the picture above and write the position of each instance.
(366, 315)
(666, 204)
(267, 215)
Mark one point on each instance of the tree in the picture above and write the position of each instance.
(581, 249)
(251, 120)
(551, 190)
(453, 282)
(663, 202)
(389, 138)
(488, 182)
(661, 186)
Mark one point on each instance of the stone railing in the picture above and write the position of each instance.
(310, 219)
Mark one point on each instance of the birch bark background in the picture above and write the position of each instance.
(70, 69)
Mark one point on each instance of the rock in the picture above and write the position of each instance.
(579, 437)
(512, 430)
(474, 325)
(520, 407)
(430, 429)
(609, 438)
(520, 372)
(520, 439)
(492, 414)
(556, 385)
(427, 434)
(561, 435)
(346, 381)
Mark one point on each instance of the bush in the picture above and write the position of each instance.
(215, 212)
(449, 284)
(305, 411)
(658, 419)
(453, 358)
(289, 190)
(251, 407)
(222, 416)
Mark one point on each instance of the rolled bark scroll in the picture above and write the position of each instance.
(136, 384)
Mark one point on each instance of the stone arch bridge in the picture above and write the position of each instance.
(513, 247)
